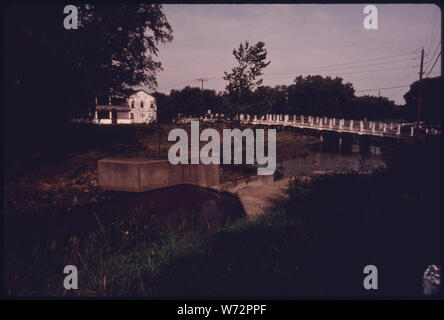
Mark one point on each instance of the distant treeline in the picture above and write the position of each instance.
(311, 95)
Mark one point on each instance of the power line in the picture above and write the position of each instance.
(177, 84)
(429, 32)
(386, 76)
(436, 50)
(320, 67)
(345, 73)
(346, 67)
(433, 32)
(353, 62)
(386, 88)
(434, 64)
(401, 78)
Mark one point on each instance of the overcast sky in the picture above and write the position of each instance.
(300, 38)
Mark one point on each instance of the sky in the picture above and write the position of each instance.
(303, 39)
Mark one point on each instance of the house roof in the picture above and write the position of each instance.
(126, 93)
(130, 92)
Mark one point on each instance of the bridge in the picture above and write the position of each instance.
(356, 127)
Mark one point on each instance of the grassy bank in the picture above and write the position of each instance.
(316, 244)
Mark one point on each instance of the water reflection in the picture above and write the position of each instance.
(326, 162)
(179, 205)
(183, 206)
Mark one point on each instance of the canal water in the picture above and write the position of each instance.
(330, 157)
(184, 205)
(323, 162)
(181, 208)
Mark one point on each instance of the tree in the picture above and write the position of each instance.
(114, 47)
(269, 100)
(166, 110)
(119, 42)
(189, 101)
(243, 78)
(51, 72)
(430, 103)
(374, 108)
(319, 96)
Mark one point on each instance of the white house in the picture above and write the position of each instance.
(126, 107)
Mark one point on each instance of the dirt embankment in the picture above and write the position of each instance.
(74, 183)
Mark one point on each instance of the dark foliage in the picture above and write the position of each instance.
(430, 103)
(52, 73)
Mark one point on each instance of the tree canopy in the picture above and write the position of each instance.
(51, 72)
(430, 101)
(114, 47)
(310, 95)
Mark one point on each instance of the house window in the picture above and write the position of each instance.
(132, 104)
(141, 104)
(131, 115)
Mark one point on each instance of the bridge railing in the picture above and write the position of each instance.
(360, 127)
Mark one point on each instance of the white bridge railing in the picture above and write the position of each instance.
(360, 127)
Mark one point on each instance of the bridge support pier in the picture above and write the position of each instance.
(365, 145)
(347, 142)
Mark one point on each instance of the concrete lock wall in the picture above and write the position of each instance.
(139, 175)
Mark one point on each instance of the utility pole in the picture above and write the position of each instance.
(420, 92)
(202, 81)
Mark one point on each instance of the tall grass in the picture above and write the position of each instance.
(316, 244)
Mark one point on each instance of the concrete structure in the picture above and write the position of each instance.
(139, 175)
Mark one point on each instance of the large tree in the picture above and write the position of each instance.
(430, 103)
(244, 78)
(118, 44)
(373, 108)
(51, 72)
(319, 96)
